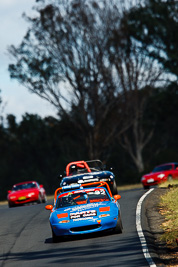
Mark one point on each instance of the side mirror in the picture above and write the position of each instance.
(117, 197)
(9, 191)
(60, 176)
(49, 207)
(41, 186)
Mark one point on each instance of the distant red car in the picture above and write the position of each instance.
(160, 174)
(26, 192)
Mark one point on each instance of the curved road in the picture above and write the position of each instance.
(25, 240)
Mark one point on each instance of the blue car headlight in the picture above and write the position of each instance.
(64, 221)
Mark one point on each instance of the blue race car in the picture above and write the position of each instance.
(84, 210)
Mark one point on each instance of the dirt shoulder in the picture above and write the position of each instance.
(165, 256)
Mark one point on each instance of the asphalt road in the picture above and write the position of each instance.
(25, 240)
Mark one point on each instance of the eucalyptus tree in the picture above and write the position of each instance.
(137, 77)
(154, 23)
(78, 55)
(63, 59)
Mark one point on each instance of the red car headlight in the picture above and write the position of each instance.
(161, 175)
(31, 194)
(12, 197)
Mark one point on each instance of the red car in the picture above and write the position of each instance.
(26, 192)
(160, 174)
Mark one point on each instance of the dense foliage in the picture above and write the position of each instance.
(39, 148)
(36, 149)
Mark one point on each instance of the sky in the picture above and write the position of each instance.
(17, 99)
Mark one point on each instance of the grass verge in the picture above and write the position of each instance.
(169, 183)
(129, 187)
(169, 209)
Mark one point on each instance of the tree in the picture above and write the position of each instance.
(2, 107)
(137, 77)
(62, 59)
(78, 56)
(154, 23)
(162, 110)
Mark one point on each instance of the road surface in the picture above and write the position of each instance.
(25, 240)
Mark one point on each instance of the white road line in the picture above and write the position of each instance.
(140, 232)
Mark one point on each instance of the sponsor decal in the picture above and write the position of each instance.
(83, 214)
(88, 180)
(105, 179)
(82, 219)
(88, 206)
(87, 177)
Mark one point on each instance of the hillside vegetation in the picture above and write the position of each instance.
(169, 210)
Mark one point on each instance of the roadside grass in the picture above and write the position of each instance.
(167, 183)
(169, 209)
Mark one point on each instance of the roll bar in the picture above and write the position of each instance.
(97, 184)
(81, 164)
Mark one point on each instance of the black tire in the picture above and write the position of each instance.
(10, 205)
(114, 188)
(39, 199)
(169, 178)
(45, 199)
(55, 237)
(146, 186)
(118, 229)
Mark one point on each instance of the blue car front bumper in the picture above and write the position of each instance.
(84, 226)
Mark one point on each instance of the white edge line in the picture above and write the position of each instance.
(140, 232)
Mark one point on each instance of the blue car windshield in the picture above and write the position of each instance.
(78, 198)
